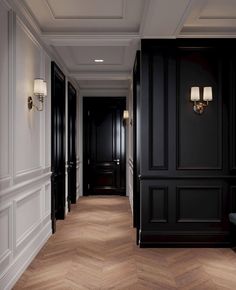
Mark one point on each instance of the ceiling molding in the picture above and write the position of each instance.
(184, 17)
(66, 39)
(24, 12)
(144, 17)
(104, 93)
(101, 75)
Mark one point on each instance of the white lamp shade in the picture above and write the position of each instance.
(45, 92)
(39, 87)
(195, 94)
(207, 94)
(126, 114)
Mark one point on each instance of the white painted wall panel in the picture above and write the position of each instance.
(27, 124)
(48, 112)
(25, 148)
(28, 213)
(5, 228)
(4, 89)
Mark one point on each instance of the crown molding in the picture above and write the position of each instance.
(101, 75)
(67, 39)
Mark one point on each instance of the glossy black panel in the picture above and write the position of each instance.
(186, 162)
(199, 137)
(158, 204)
(58, 144)
(71, 144)
(199, 204)
(104, 145)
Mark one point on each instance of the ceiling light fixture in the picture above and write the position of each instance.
(99, 60)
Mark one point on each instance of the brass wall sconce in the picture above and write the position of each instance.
(200, 96)
(126, 117)
(40, 92)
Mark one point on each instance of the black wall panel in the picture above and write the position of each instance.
(187, 161)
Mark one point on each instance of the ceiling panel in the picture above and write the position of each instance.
(81, 58)
(218, 9)
(87, 9)
(211, 17)
(87, 15)
(103, 84)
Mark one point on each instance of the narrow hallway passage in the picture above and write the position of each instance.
(94, 248)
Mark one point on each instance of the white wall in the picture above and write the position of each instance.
(25, 206)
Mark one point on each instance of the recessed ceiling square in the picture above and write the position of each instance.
(86, 9)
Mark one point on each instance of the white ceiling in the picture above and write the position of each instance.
(80, 31)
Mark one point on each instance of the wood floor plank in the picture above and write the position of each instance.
(94, 249)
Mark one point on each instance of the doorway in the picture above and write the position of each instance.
(104, 154)
(58, 144)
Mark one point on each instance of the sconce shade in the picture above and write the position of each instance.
(39, 87)
(45, 89)
(126, 114)
(207, 94)
(195, 94)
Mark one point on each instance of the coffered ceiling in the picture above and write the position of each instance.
(80, 31)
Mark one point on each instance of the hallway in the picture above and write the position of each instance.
(94, 248)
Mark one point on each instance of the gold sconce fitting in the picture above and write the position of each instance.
(200, 96)
(40, 92)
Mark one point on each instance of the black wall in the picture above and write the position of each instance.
(187, 162)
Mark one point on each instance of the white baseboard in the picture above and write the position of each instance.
(19, 265)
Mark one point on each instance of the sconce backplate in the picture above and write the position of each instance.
(30, 103)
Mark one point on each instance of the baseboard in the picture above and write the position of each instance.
(154, 239)
(19, 265)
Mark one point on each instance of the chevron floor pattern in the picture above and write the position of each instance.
(94, 248)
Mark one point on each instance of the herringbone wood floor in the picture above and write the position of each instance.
(94, 248)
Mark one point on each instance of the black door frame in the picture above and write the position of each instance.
(71, 141)
(57, 75)
(136, 145)
(83, 143)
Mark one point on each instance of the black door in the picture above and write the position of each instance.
(104, 146)
(58, 145)
(71, 144)
(136, 144)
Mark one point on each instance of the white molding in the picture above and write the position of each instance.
(53, 14)
(144, 17)
(92, 39)
(184, 17)
(27, 174)
(6, 255)
(5, 180)
(46, 186)
(20, 200)
(101, 75)
(7, 193)
(19, 265)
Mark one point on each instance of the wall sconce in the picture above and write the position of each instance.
(126, 117)
(40, 92)
(201, 97)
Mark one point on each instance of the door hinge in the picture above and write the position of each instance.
(88, 161)
(88, 186)
(88, 113)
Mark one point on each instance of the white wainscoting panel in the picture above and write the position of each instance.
(4, 100)
(27, 214)
(6, 236)
(25, 149)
